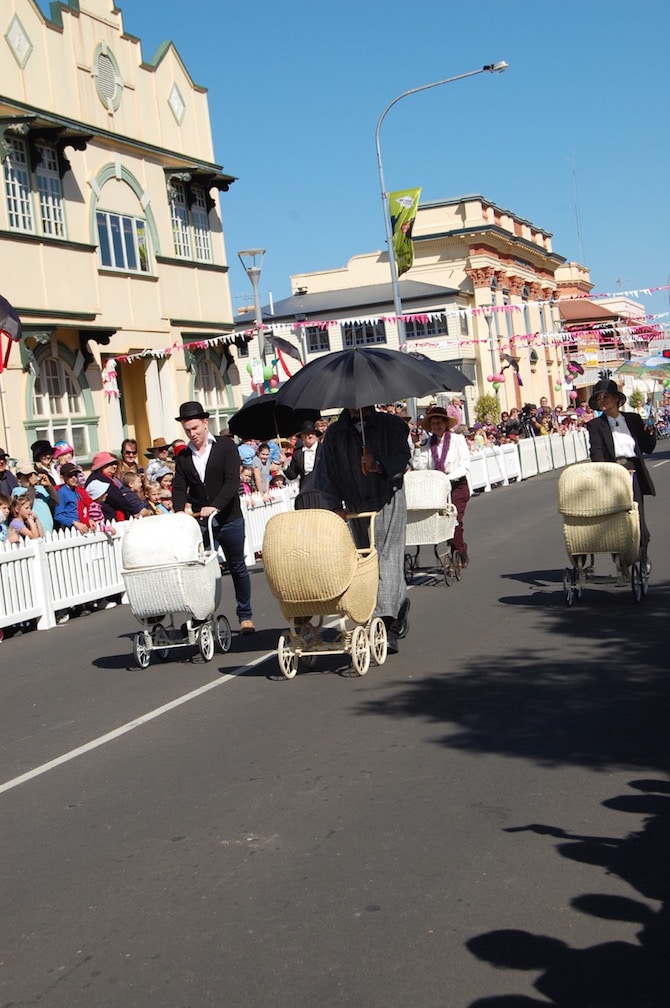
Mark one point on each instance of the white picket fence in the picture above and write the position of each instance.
(41, 577)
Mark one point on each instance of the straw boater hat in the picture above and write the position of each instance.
(606, 385)
(437, 411)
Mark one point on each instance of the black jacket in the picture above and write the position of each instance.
(222, 481)
(602, 446)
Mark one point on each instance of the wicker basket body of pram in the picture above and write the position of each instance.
(314, 570)
(431, 520)
(600, 516)
(169, 575)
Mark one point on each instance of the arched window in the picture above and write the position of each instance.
(60, 409)
(210, 389)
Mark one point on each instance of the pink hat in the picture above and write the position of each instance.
(102, 458)
(63, 449)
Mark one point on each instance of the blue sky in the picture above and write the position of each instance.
(296, 89)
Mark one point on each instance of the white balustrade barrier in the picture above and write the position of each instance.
(40, 577)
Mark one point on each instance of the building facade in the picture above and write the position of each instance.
(112, 246)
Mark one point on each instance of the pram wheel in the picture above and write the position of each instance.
(570, 586)
(378, 641)
(408, 567)
(161, 642)
(206, 641)
(142, 648)
(288, 659)
(636, 582)
(360, 650)
(223, 633)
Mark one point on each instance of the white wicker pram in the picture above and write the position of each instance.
(600, 516)
(167, 572)
(314, 570)
(431, 520)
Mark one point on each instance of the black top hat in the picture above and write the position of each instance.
(192, 411)
(309, 427)
(606, 385)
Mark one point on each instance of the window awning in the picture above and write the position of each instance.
(199, 175)
(38, 130)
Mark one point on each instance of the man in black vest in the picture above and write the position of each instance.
(207, 476)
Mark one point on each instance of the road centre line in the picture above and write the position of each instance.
(131, 725)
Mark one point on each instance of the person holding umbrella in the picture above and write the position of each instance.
(361, 465)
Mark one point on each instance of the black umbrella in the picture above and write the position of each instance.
(360, 377)
(513, 363)
(263, 418)
(10, 323)
(448, 375)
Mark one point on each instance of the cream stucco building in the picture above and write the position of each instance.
(110, 234)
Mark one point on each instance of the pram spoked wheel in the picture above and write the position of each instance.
(206, 641)
(378, 640)
(360, 650)
(222, 633)
(571, 586)
(160, 642)
(142, 648)
(288, 659)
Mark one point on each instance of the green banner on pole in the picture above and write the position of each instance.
(403, 206)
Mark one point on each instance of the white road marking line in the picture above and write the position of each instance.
(659, 463)
(130, 726)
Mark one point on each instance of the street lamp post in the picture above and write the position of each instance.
(252, 263)
(499, 67)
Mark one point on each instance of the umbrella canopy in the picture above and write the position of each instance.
(657, 368)
(450, 378)
(263, 418)
(359, 377)
(10, 323)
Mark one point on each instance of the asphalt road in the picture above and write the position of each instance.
(483, 821)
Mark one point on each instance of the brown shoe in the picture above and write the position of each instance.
(247, 626)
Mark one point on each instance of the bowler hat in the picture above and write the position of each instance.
(309, 427)
(606, 385)
(191, 411)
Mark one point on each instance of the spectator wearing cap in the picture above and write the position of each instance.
(74, 502)
(159, 455)
(207, 478)
(7, 478)
(448, 452)
(164, 477)
(64, 453)
(121, 503)
(302, 466)
(41, 493)
(97, 491)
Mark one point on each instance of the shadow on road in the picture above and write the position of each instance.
(602, 709)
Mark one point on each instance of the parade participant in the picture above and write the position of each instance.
(449, 453)
(207, 477)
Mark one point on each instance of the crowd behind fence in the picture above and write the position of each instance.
(40, 578)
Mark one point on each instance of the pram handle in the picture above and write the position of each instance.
(364, 514)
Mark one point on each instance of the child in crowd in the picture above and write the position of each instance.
(63, 454)
(41, 492)
(74, 502)
(97, 491)
(247, 486)
(165, 500)
(23, 521)
(7, 534)
(278, 481)
(153, 498)
(134, 482)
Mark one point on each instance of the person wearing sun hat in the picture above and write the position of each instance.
(622, 437)
(121, 503)
(159, 453)
(449, 453)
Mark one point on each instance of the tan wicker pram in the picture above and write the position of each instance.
(167, 571)
(315, 570)
(600, 516)
(431, 520)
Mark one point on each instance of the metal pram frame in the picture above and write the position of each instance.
(168, 573)
(431, 520)
(315, 570)
(600, 516)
